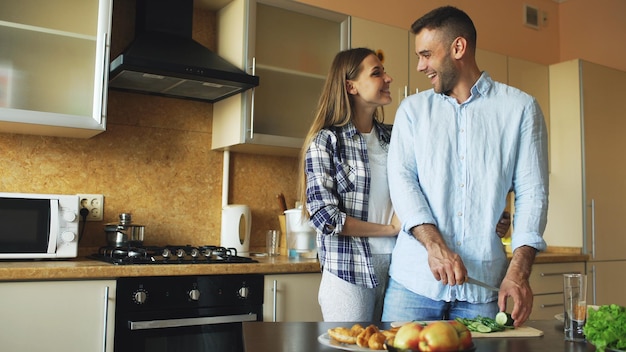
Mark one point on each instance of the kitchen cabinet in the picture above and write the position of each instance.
(292, 297)
(57, 315)
(54, 66)
(392, 44)
(587, 182)
(606, 282)
(290, 46)
(546, 281)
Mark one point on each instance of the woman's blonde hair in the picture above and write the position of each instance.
(335, 106)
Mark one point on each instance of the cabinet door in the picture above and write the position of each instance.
(290, 46)
(534, 79)
(546, 281)
(392, 45)
(54, 66)
(605, 171)
(606, 281)
(292, 297)
(548, 278)
(57, 315)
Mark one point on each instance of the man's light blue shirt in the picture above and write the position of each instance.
(452, 165)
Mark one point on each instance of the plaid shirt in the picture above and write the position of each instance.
(338, 185)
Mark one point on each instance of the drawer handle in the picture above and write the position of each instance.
(551, 305)
(559, 274)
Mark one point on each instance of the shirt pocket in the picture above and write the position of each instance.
(346, 178)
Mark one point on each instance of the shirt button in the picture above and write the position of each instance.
(462, 157)
(458, 243)
(462, 185)
(460, 214)
(462, 130)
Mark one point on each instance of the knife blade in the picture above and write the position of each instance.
(482, 284)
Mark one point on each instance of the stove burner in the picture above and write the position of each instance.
(169, 254)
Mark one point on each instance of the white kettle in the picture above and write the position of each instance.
(236, 221)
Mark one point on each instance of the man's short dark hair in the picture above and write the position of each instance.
(449, 19)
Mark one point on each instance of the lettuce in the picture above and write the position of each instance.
(606, 327)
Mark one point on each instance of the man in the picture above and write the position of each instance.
(455, 153)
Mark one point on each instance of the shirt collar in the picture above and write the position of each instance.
(481, 87)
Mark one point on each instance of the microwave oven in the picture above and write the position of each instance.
(38, 226)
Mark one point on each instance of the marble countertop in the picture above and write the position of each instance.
(84, 268)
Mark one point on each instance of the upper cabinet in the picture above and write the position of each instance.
(54, 66)
(290, 46)
(392, 46)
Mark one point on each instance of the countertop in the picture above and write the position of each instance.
(84, 268)
(302, 337)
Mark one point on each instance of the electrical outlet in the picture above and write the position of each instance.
(95, 204)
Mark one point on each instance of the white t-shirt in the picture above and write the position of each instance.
(379, 208)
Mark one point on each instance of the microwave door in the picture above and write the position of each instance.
(54, 226)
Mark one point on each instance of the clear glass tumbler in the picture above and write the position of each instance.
(575, 306)
(272, 242)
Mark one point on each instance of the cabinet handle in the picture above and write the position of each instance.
(252, 101)
(105, 321)
(593, 228)
(559, 274)
(551, 305)
(274, 299)
(105, 80)
(593, 283)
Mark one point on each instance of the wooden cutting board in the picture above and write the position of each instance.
(522, 331)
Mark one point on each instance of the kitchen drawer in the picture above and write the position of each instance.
(548, 278)
(547, 306)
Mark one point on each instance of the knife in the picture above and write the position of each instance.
(482, 284)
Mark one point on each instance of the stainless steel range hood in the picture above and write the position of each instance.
(163, 59)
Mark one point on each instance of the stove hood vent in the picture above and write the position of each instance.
(163, 59)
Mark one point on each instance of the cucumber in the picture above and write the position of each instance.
(482, 328)
(504, 319)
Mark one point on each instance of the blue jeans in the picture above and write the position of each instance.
(404, 305)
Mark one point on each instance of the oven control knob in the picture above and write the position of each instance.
(194, 294)
(140, 296)
(243, 292)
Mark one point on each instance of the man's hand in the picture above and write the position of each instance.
(522, 298)
(516, 285)
(446, 265)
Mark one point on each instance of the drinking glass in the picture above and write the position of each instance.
(272, 239)
(575, 302)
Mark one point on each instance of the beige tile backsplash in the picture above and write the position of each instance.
(154, 161)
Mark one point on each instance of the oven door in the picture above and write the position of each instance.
(188, 330)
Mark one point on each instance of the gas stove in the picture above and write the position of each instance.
(169, 254)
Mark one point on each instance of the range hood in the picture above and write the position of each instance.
(163, 59)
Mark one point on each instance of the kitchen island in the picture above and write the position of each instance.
(303, 337)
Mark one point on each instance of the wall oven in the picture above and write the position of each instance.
(186, 313)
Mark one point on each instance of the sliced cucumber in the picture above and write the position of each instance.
(482, 328)
(504, 319)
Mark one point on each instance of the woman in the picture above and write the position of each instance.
(344, 184)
